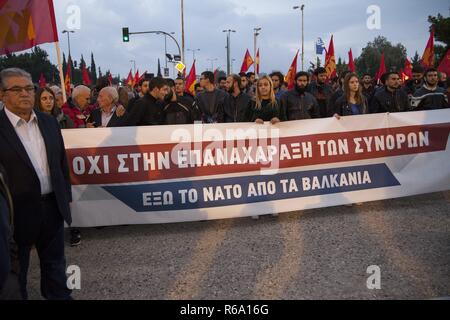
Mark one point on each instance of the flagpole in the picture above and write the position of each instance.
(61, 73)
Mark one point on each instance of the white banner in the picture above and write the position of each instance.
(164, 174)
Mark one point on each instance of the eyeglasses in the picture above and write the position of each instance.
(18, 90)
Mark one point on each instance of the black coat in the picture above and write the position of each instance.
(5, 232)
(24, 183)
(236, 109)
(385, 101)
(115, 121)
(147, 111)
(343, 108)
(296, 106)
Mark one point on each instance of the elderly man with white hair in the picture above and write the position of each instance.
(76, 105)
(106, 115)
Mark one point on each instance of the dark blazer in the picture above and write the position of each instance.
(5, 232)
(24, 182)
(115, 121)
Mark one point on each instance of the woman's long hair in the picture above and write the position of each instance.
(273, 100)
(359, 95)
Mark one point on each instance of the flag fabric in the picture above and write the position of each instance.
(428, 55)
(25, 24)
(258, 62)
(290, 76)
(129, 81)
(191, 80)
(444, 66)
(408, 69)
(382, 69)
(403, 75)
(142, 76)
(86, 78)
(159, 69)
(351, 62)
(42, 82)
(330, 60)
(320, 46)
(110, 78)
(136, 78)
(67, 82)
(247, 63)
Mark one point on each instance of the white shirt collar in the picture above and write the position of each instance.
(16, 120)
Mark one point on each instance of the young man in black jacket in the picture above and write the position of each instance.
(148, 110)
(212, 101)
(239, 101)
(391, 98)
(321, 91)
(430, 96)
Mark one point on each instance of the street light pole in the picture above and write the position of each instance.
(212, 63)
(302, 7)
(165, 46)
(256, 34)
(193, 53)
(134, 63)
(182, 31)
(70, 55)
(229, 49)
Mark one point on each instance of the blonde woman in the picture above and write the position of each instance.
(265, 107)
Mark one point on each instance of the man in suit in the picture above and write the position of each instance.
(33, 154)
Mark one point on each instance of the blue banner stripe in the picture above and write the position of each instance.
(199, 194)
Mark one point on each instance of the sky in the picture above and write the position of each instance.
(100, 23)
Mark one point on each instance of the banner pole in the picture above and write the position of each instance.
(61, 73)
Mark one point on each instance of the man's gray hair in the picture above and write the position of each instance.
(12, 72)
(79, 89)
(112, 93)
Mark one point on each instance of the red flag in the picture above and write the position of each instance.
(351, 62)
(444, 66)
(86, 78)
(290, 76)
(25, 24)
(129, 80)
(247, 63)
(136, 78)
(408, 69)
(110, 79)
(382, 69)
(191, 80)
(330, 60)
(142, 77)
(258, 62)
(42, 82)
(67, 80)
(428, 55)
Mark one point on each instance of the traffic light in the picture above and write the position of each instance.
(125, 35)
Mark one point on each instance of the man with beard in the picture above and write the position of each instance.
(238, 101)
(144, 87)
(390, 98)
(222, 83)
(430, 96)
(321, 91)
(416, 82)
(148, 110)
(178, 109)
(297, 104)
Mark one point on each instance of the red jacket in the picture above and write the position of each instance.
(75, 114)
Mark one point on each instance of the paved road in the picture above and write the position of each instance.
(314, 254)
